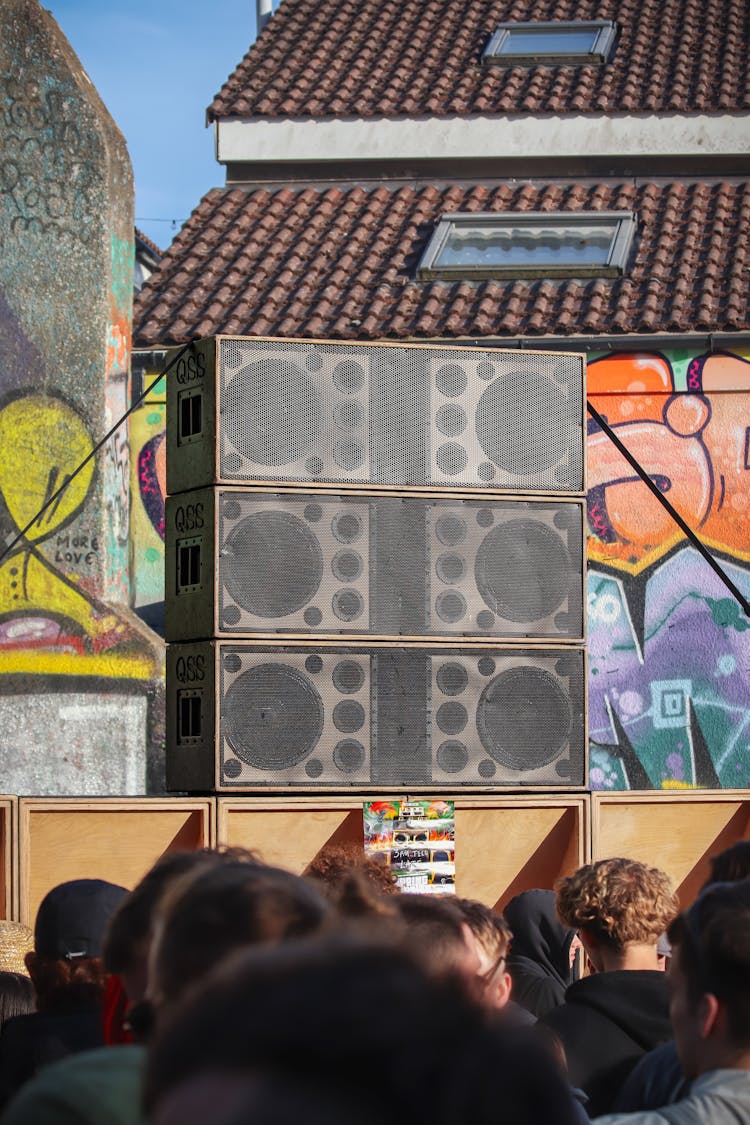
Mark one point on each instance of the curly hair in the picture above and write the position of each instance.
(334, 863)
(621, 901)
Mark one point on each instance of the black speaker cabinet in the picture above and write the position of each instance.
(245, 563)
(302, 412)
(243, 718)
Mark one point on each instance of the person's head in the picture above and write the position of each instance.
(17, 996)
(438, 934)
(492, 938)
(233, 904)
(731, 865)
(619, 907)
(128, 937)
(333, 865)
(66, 965)
(540, 936)
(16, 940)
(709, 980)
(343, 1016)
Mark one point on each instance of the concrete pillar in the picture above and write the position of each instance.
(78, 672)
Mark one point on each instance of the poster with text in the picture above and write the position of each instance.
(417, 840)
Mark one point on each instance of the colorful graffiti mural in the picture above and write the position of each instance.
(669, 647)
(148, 485)
(50, 618)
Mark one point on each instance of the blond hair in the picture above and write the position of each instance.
(621, 901)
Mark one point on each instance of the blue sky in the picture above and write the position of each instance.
(157, 64)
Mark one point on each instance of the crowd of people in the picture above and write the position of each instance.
(222, 990)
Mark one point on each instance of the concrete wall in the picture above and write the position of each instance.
(79, 674)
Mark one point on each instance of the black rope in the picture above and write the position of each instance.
(689, 533)
(51, 499)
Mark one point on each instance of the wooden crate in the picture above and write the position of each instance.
(678, 832)
(504, 844)
(117, 839)
(8, 857)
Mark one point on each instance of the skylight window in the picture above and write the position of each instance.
(528, 244)
(551, 44)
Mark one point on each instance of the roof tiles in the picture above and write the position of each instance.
(371, 58)
(340, 262)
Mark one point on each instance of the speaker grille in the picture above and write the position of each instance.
(295, 717)
(303, 411)
(403, 718)
(298, 563)
(293, 412)
(508, 718)
(380, 565)
(505, 568)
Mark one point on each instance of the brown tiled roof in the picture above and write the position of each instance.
(340, 262)
(147, 242)
(348, 58)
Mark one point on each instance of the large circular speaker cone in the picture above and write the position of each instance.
(522, 570)
(524, 718)
(271, 412)
(272, 564)
(522, 423)
(273, 717)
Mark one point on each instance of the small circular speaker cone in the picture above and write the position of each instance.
(272, 564)
(522, 570)
(273, 717)
(524, 718)
(272, 412)
(348, 755)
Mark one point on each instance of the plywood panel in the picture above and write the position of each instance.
(503, 845)
(676, 832)
(8, 806)
(116, 840)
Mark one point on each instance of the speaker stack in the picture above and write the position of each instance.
(374, 568)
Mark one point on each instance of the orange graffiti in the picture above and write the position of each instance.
(695, 447)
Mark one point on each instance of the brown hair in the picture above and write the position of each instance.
(489, 928)
(334, 864)
(714, 952)
(233, 904)
(66, 984)
(621, 901)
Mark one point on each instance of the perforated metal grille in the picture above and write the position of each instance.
(508, 718)
(294, 718)
(292, 411)
(400, 416)
(507, 420)
(512, 569)
(293, 564)
(389, 565)
(400, 717)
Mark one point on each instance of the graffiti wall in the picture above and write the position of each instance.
(148, 482)
(669, 646)
(74, 660)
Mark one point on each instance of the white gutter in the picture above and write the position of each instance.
(332, 139)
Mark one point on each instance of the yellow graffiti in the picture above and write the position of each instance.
(48, 623)
(27, 480)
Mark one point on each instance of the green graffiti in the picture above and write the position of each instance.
(727, 614)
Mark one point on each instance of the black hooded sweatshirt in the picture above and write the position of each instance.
(539, 960)
(608, 1021)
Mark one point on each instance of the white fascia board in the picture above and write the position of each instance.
(333, 139)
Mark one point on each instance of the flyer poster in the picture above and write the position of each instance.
(417, 840)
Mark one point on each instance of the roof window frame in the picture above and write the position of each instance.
(619, 251)
(598, 55)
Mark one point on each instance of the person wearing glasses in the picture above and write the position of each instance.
(709, 984)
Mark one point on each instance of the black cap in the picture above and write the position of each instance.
(73, 917)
